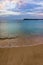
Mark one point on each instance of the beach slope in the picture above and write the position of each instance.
(31, 55)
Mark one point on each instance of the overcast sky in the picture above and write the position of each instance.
(32, 8)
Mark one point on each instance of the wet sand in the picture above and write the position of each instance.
(21, 41)
(31, 55)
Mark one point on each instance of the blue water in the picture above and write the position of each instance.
(11, 28)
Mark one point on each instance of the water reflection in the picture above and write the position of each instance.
(9, 29)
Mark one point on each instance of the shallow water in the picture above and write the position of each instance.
(12, 28)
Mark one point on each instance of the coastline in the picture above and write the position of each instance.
(21, 41)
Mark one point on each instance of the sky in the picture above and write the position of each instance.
(26, 8)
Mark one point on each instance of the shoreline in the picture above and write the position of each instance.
(21, 41)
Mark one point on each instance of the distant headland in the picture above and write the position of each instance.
(33, 19)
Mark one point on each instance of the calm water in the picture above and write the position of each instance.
(12, 28)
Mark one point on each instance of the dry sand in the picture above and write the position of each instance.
(31, 55)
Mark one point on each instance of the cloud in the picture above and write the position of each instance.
(5, 12)
(21, 7)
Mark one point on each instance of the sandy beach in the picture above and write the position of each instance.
(21, 51)
(31, 55)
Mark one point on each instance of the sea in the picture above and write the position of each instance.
(13, 28)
